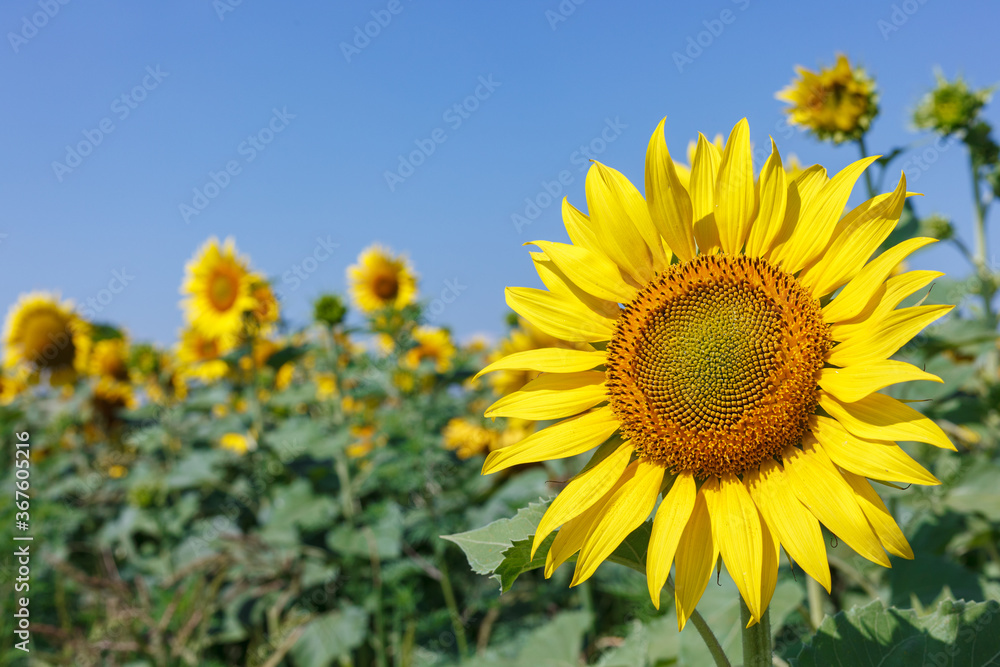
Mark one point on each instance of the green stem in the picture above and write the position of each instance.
(815, 593)
(714, 647)
(449, 600)
(987, 289)
(756, 638)
(868, 174)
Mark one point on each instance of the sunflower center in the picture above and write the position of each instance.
(385, 286)
(48, 341)
(222, 290)
(712, 368)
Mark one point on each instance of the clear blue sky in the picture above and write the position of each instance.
(552, 88)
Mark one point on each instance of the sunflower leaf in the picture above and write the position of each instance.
(485, 547)
(955, 633)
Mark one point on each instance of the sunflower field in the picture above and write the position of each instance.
(734, 427)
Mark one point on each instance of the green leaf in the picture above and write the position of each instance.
(977, 492)
(330, 636)
(955, 634)
(518, 560)
(558, 643)
(386, 535)
(485, 547)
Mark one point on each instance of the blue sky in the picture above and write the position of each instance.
(308, 118)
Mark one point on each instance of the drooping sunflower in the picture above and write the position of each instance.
(836, 103)
(381, 279)
(722, 373)
(42, 333)
(219, 290)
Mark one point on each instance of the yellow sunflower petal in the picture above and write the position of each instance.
(552, 396)
(736, 528)
(820, 214)
(582, 492)
(878, 516)
(823, 490)
(567, 438)
(695, 558)
(855, 238)
(668, 202)
(855, 382)
(548, 360)
(671, 517)
(734, 190)
(621, 222)
(559, 284)
(883, 338)
(580, 229)
(800, 191)
(875, 459)
(795, 527)
(704, 173)
(625, 511)
(856, 294)
(881, 417)
(556, 315)
(773, 195)
(592, 272)
(570, 537)
(883, 302)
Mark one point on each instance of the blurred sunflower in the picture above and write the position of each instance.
(12, 385)
(735, 386)
(111, 396)
(266, 310)
(381, 280)
(109, 359)
(236, 442)
(43, 334)
(433, 344)
(198, 356)
(326, 386)
(836, 103)
(218, 287)
(467, 438)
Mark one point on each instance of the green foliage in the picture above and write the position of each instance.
(955, 633)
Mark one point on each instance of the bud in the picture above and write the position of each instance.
(329, 309)
(951, 107)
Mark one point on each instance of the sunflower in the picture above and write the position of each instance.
(198, 356)
(219, 287)
(43, 333)
(381, 280)
(266, 310)
(109, 359)
(433, 344)
(468, 438)
(239, 443)
(722, 373)
(837, 103)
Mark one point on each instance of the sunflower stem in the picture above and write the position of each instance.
(756, 638)
(714, 647)
(868, 176)
(815, 593)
